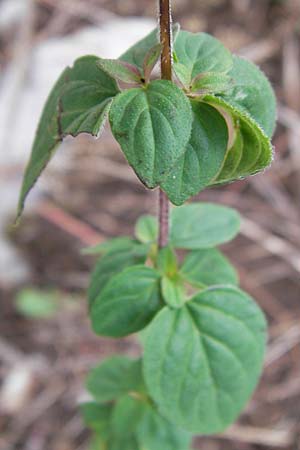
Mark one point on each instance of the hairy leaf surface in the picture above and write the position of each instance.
(127, 303)
(203, 157)
(198, 53)
(208, 267)
(212, 350)
(78, 103)
(136, 54)
(252, 92)
(203, 225)
(152, 126)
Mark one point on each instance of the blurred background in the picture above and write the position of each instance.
(88, 194)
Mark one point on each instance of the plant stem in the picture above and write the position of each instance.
(166, 74)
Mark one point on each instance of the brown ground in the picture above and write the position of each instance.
(101, 192)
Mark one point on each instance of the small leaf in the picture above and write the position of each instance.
(252, 92)
(253, 147)
(208, 267)
(167, 261)
(114, 244)
(136, 54)
(203, 157)
(182, 73)
(114, 378)
(37, 304)
(97, 443)
(203, 225)
(78, 103)
(200, 52)
(212, 350)
(151, 58)
(173, 292)
(210, 83)
(127, 303)
(120, 70)
(97, 417)
(146, 229)
(114, 262)
(156, 433)
(152, 126)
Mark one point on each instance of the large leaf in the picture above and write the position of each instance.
(199, 53)
(208, 267)
(203, 156)
(152, 126)
(251, 151)
(77, 104)
(129, 253)
(202, 362)
(114, 378)
(252, 92)
(203, 225)
(137, 53)
(127, 303)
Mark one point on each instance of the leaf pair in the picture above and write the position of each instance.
(130, 422)
(125, 296)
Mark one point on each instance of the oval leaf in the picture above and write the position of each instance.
(146, 229)
(203, 225)
(121, 70)
(152, 126)
(78, 103)
(199, 52)
(127, 303)
(208, 267)
(203, 157)
(212, 350)
(114, 378)
(114, 262)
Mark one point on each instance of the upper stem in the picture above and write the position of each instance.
(166, 74)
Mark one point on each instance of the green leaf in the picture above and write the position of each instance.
(203, 157)
(114, 244)
(120, 70)
(114, 378)
(37, 304)
(203, 225)
(199, 52)
(127, 303)
(212, 351)
(210, 82)
(146, 229)
(97, 417)
(251, 151)
(252, 93)
(152, 126)
(136, 54)
(97, 443)
(173, 291)
(167, 261)
(208, 267)
(126, 416)
(156, 433)
(150, 60)
(114, 262)
(78, 103)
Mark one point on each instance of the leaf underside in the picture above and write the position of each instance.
(78, 103)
